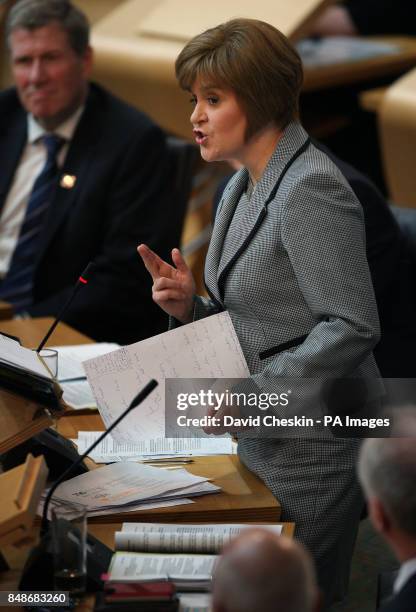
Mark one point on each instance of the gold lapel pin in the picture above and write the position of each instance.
(68, 181)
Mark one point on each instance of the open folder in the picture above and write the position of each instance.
(23, 372)
(29, 395)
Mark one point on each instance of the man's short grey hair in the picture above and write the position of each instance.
(387, 470)
(33, 14)
(257, 573)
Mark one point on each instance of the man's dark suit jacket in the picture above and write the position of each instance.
(405, 600)
(383, 16)
(392, 273)
(120, 161)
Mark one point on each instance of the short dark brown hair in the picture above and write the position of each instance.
(34, 14)
(253, 59)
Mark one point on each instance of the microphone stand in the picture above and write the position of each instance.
(38, 571)
(82, 280)
(136, 401)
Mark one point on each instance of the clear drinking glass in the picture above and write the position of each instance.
(69, 537)
(50, 358)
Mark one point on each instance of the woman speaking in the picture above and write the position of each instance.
(287, 261)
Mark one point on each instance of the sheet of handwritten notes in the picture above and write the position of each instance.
(208, 348)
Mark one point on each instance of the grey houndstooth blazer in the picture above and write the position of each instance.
(299, 293)
(303, 270)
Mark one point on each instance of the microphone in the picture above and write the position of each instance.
(82, 280)
(38, 571)
(140, 397)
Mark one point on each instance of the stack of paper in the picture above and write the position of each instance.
(109, 450)
(71, 374)
(124, 487)
(170, 537)
(154, 551)
(187, 572)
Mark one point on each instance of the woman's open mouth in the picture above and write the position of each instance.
(200, 137)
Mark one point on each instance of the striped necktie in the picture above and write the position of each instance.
(17, 285)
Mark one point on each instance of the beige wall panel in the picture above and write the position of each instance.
(139, 65)
(183, 19)
(97, 9)
(397, 124)
(144, 79)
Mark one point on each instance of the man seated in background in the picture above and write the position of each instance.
(364, 17)
(387, 472)
(262, 571)
(83, 177)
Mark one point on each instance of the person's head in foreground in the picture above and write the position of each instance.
(51, 58)
(387, 472)
(244, 78)
(260, 570)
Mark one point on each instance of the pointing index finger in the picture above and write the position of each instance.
(151, 261)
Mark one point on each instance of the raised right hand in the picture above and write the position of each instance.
(173, 286)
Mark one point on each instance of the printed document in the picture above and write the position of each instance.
(109, 450)
(181, 569)
(159, 537)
